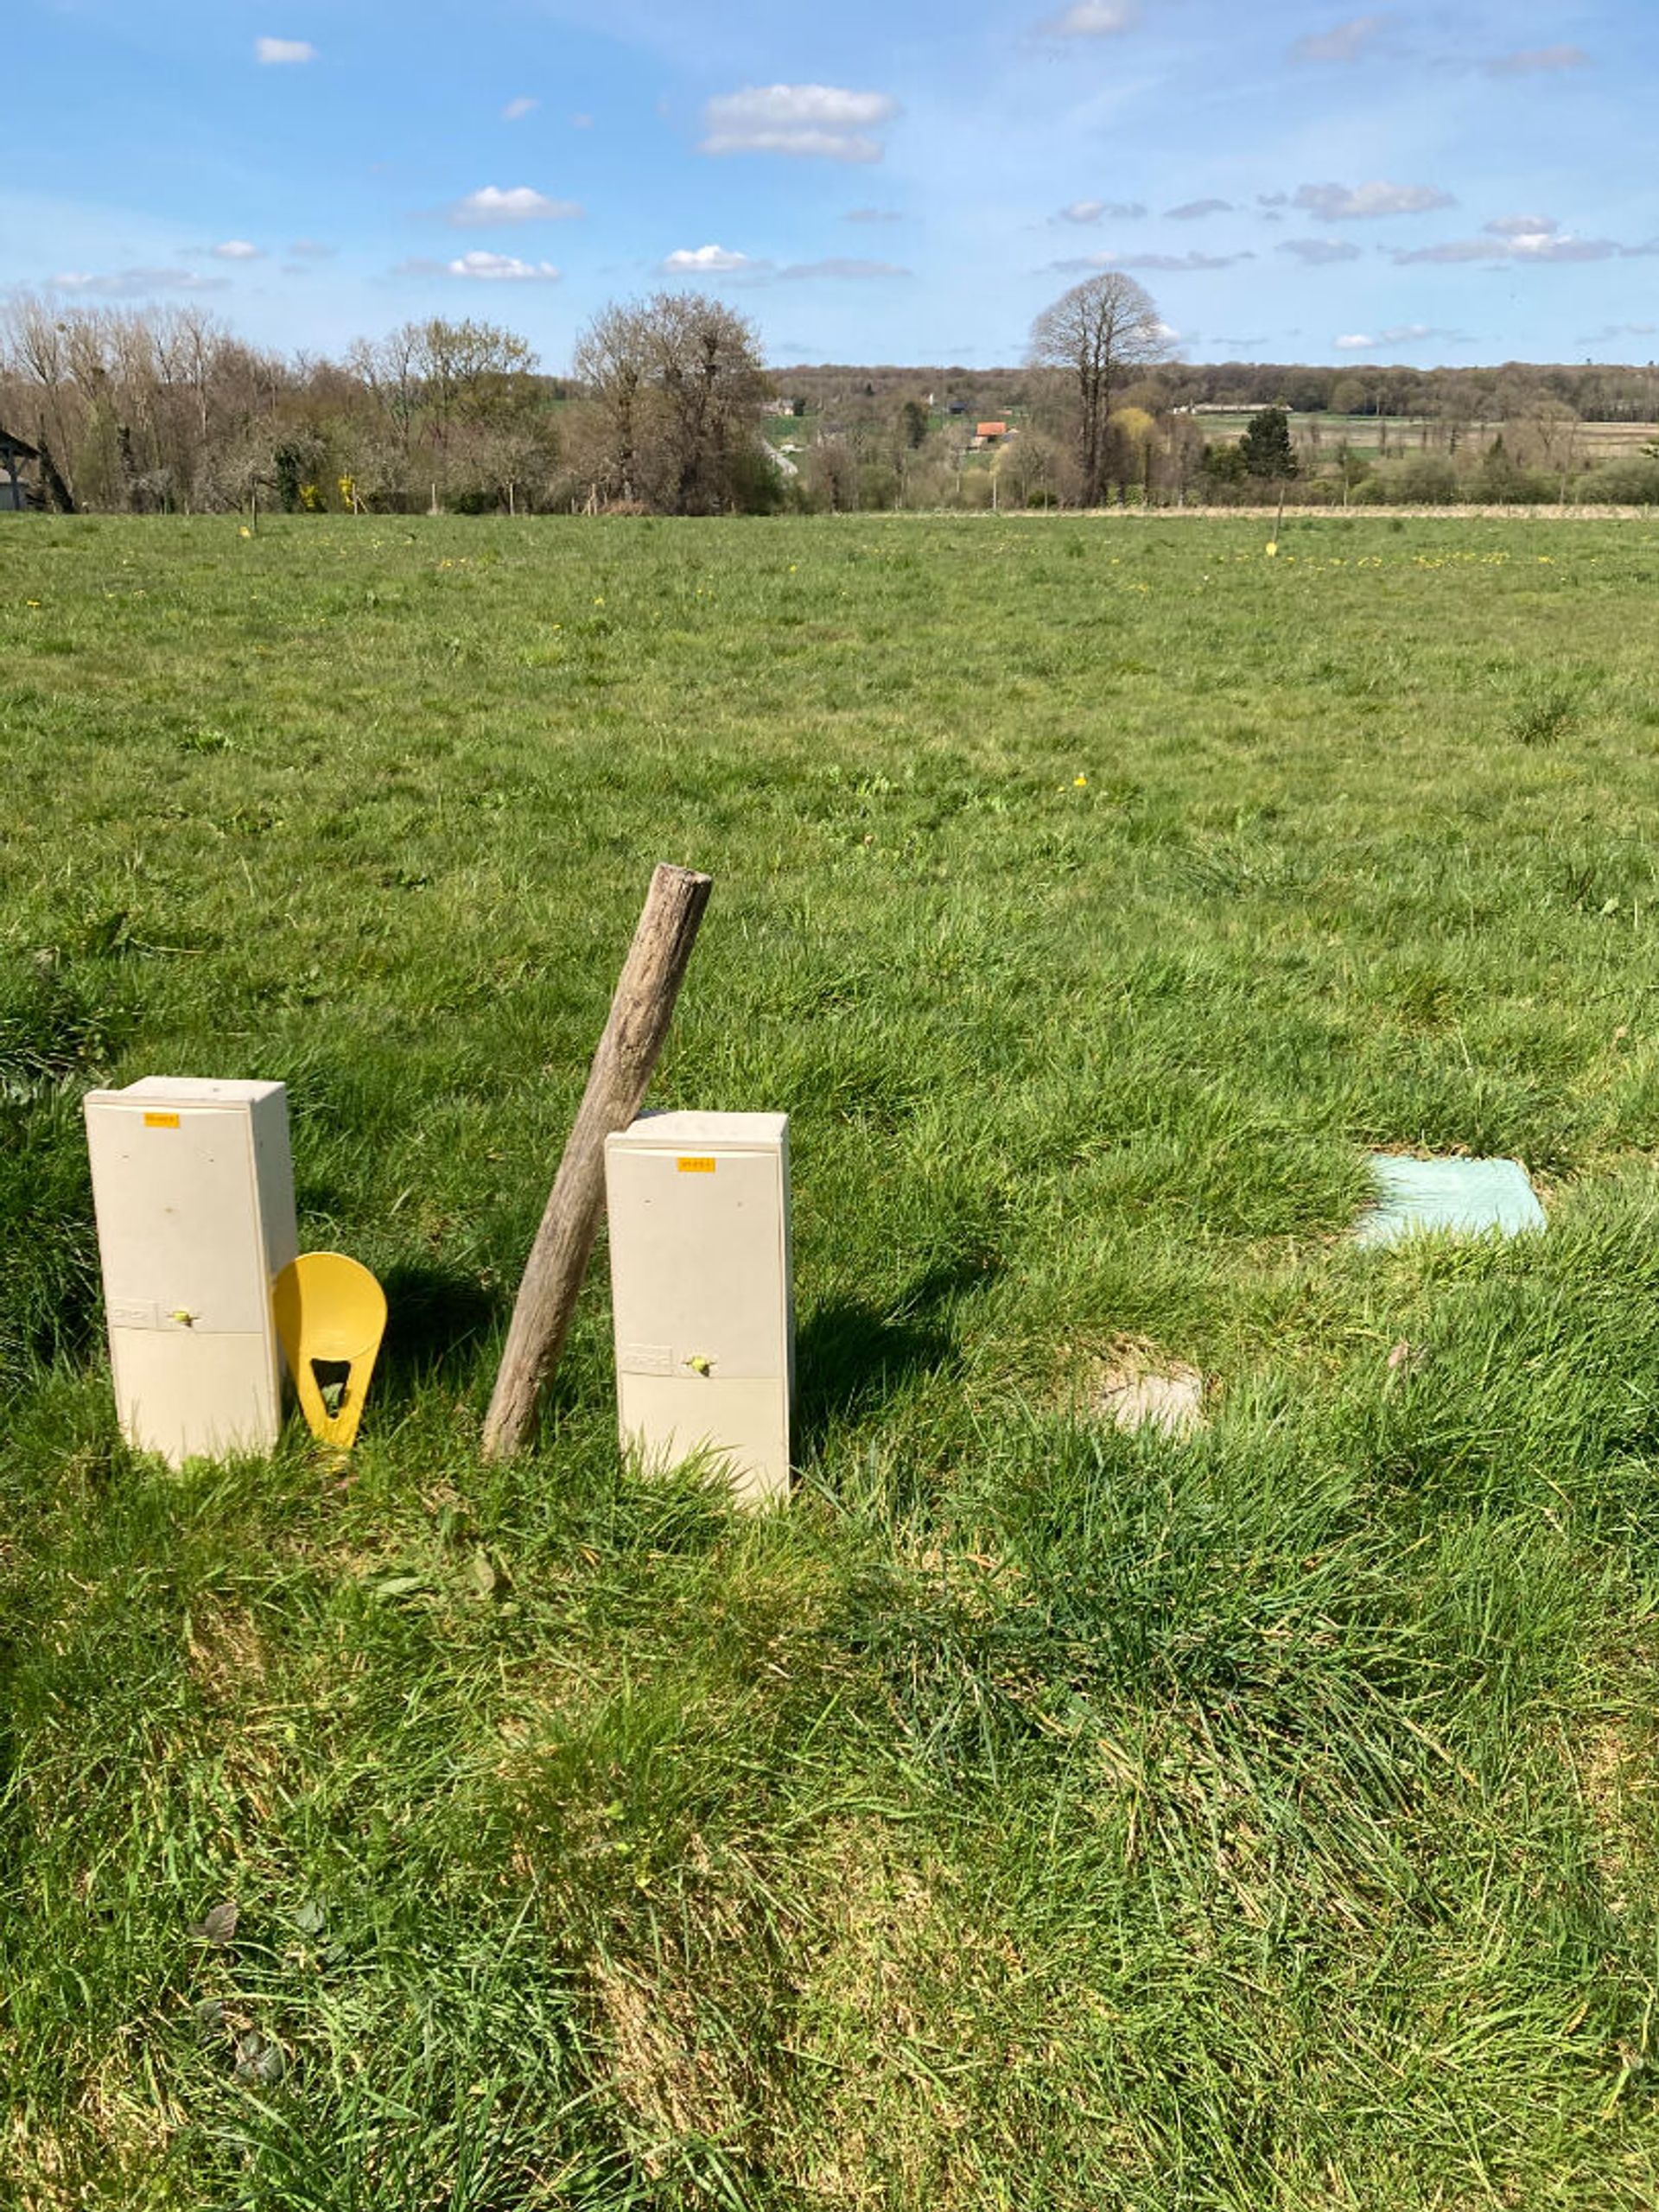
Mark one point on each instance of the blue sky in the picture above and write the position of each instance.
(901, 183)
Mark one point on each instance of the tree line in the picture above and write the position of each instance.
(165, 410)
(669, 408)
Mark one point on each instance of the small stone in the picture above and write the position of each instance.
(217, 1925)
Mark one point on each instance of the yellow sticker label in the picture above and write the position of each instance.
(161, 1121)
(697, 1166)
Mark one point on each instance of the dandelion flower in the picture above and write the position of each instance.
(1078, 782)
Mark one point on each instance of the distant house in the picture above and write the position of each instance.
(989, 434)
(19, 474)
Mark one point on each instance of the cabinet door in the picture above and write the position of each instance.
(178, 1222)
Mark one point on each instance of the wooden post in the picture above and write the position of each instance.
(640, 1013)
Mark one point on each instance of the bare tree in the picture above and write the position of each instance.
(1097, 335)
(611, 363)
(387, 366)
(32, 342)
(708, 373)
(673, 387)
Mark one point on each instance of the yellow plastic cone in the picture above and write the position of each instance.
(330, 1310)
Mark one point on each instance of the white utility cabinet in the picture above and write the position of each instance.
(700, 1287)
(193, 1185)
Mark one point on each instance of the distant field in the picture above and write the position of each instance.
(1412, 432)
(1031, 1815)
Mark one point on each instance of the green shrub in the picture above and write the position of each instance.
(1630, 481)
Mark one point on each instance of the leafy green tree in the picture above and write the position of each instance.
(1266, 448)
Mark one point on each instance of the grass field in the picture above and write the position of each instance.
(1032, 1815)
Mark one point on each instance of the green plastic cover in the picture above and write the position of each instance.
(1463, 1197)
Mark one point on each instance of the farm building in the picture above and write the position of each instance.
(989, 434)
(19, 474)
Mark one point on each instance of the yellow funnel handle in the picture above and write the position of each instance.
(330, 1310)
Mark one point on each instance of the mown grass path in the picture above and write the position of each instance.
(1032, 1815)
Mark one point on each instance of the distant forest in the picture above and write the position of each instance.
(1595, 392)
(670, 408)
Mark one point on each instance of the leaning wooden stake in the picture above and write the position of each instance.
(622, 1066)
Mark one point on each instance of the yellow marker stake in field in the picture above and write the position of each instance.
(331, 1315)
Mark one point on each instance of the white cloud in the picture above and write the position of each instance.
(1193, 211)
(274, 53)
(519, 203)
(581, 122)
(1343, 43)
(813, 120)
(1179, 261)
(1092, 19)
(721, 261)
(1398, 334)
(502, 268)
(1453, 250)
(135, 283)
(871, 215)
(312, 249)
(1091, 211)
(838, 266)
(707, 261)
(237, 250)
(1540, 238)
(515, 111)
(1521, 237)
(1538, 61)
(1318, 253)
(1164, 264)
(1337, 203)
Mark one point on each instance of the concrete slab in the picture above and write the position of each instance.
(1460, 1198)
(1168, 1398)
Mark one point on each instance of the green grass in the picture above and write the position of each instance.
(1031, 1815)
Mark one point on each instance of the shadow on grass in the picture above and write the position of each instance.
(436, 1318)
(851, 1356)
